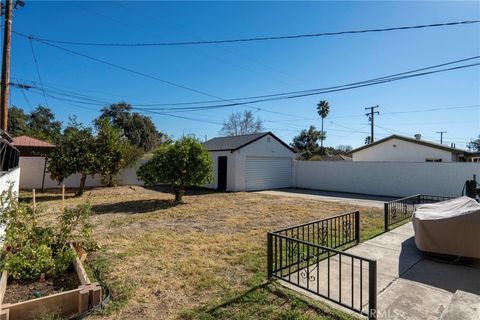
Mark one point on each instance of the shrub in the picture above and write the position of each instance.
(182, 164)
(33, 250)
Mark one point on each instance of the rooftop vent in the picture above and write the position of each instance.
(418, 136)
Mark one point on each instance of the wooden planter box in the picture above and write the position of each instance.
(67, 303)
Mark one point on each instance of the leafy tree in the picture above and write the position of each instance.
(17, 122)
(474, 144)
(323, 109)
(241, 123)
(75, 153)
(182, 164)
(42, 124)
(307, 142)
(139, 129)
(114, 151)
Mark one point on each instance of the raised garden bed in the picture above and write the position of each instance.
(76, 294)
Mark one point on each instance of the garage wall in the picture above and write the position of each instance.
(231, 178)
(386, 178)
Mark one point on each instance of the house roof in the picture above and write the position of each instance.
(237, 142)
(413, 140)
(26, 141)
(335, 157)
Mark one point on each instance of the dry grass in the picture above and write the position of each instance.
(163, 260)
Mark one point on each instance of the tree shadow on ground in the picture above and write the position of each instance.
(134, 206)
(44, 198)
(266, 301)
(191, 191)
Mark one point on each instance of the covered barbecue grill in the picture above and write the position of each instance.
(449, 227)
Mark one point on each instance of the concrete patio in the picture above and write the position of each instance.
(409, 286)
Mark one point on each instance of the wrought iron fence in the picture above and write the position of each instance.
(333, 232)
(346, 279)
(9, 155)
(402, 209)
(308, 256)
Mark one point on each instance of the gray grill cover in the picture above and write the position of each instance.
(449, 227)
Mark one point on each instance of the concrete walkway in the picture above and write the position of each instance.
(350, 198)
(408, 285)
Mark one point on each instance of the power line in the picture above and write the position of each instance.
(266, 38)
(38, 72)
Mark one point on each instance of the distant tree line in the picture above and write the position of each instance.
(116, 139)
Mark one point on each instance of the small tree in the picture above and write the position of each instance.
(182, 164)
(75, 153)
(241, 123)
(307, 142)
(474, 145)
(113, 150)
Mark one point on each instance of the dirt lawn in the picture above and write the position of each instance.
(166, 261)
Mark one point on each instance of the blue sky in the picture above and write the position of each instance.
(255, 68)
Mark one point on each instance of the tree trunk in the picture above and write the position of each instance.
(179, 192)
(81, 189)
(321, 140)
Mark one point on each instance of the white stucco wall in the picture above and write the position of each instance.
(32, 172)
(231, 160)
(267, 147)
(386, 178)
(401, 150)
(10, 177)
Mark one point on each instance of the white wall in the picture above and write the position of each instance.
(386, 178)
(401, 150)
(231, 178)
(32, 173)
(8, 177)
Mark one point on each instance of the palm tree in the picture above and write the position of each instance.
(323, 109)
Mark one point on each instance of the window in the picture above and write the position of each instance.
(433, 160)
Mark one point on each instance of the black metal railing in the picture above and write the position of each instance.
(9, 155)
(308, 256)
(346, 279)
(333, 232)
(400, 210)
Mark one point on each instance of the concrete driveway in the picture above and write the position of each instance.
(351, 198)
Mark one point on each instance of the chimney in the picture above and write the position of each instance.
(418, 136)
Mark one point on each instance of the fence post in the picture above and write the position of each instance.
(269, 255)
(357, 226)
(372, 289)
(385, 216)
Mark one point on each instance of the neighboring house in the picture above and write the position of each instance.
(335, 157)
(250, 162)
(32, 147)
(404, 149)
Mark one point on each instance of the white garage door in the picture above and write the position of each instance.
(268, 173)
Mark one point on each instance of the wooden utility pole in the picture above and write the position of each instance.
(5, 79)
(371, 117)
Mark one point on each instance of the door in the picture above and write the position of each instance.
(222, 173)
(268, 173)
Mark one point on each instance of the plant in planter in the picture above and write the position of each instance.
(33, 250)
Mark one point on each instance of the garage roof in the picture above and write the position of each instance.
(236, 142)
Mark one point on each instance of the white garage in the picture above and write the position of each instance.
(250, 162)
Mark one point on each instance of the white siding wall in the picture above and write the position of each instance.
(400, 150)
(385, 178)
(32, 173)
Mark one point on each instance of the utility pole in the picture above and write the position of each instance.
(5, 78)
(371, 118)
(441, 135)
